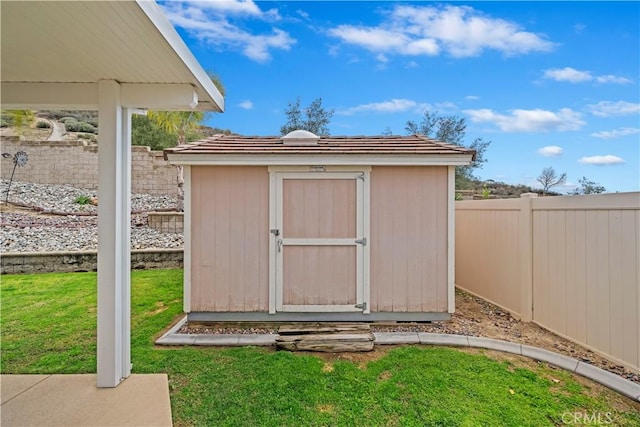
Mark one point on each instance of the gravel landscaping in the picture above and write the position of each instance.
(46, 218)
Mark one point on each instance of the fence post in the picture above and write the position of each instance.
(526, 256)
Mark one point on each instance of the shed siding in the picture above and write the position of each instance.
(230, 252)
(409, 239)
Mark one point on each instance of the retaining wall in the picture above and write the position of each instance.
(76, 163)
(166, 222)
(66, 262)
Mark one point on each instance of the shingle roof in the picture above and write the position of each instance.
(344, 145)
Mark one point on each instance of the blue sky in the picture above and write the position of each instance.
(549, 83)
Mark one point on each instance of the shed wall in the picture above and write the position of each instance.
(409, 239)
(230, 238)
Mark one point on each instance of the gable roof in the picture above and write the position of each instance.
(234, 149)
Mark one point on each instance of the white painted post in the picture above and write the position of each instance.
(526, 257)
(451, 239)
(114, 186)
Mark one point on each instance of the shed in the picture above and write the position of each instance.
(308, 228)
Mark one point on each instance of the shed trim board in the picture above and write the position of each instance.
(451, 239)
(206, 159)
(186, 262)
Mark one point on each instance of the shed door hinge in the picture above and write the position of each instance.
(363, 306)
(362, 241)
(362, 176)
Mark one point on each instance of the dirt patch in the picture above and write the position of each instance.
(477, 317)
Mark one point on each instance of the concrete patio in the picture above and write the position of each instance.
(74, 400)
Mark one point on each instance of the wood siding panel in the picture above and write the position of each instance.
(409, 239)
(317, 208)
(319, 275)
(230, 237)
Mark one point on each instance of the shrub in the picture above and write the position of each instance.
(80, 127)
(82, 200)
(68, 119)
(4, 123)
(84, 136)
(43, 125)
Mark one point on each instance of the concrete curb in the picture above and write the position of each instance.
(172, 337)
(607, 379)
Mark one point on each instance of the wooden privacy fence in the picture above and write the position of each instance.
(570, 264)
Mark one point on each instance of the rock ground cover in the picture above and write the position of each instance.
(46, 218)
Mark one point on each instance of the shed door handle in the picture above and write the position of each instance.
(279, 245)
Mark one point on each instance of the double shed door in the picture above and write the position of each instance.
(320, 242)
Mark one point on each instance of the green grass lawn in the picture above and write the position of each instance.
(48, 325)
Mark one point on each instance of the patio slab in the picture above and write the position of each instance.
(74, 400)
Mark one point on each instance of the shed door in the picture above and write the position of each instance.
(319, 241)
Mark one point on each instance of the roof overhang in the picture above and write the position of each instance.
(54, 53)
(319, 159)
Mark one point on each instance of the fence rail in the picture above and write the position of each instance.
(570, 264)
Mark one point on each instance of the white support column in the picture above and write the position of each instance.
(114, 191)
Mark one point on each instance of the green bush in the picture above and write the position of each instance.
(80, 127)
(68, 119)
(85, 136)
(82, 200)
(43, 125)
(78, 115)
(4, 123)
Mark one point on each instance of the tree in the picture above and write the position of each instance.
(550, 178)
(180, 124)
(21, 118)
(145, 131)
(451, 129)
(588, 187)
(317, 118)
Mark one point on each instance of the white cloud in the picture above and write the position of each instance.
(391, 106)
(412, 64)
(247, 105)
(567, 74)
(460, 31)
(608, 159)
(579, 28)
(551, 151)
(616, 133)
(571, 75)
(610, 78)
(471, 97)
(211, 22)
(529, 120)
(237, 7)
(382, 58)
(610, 108)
